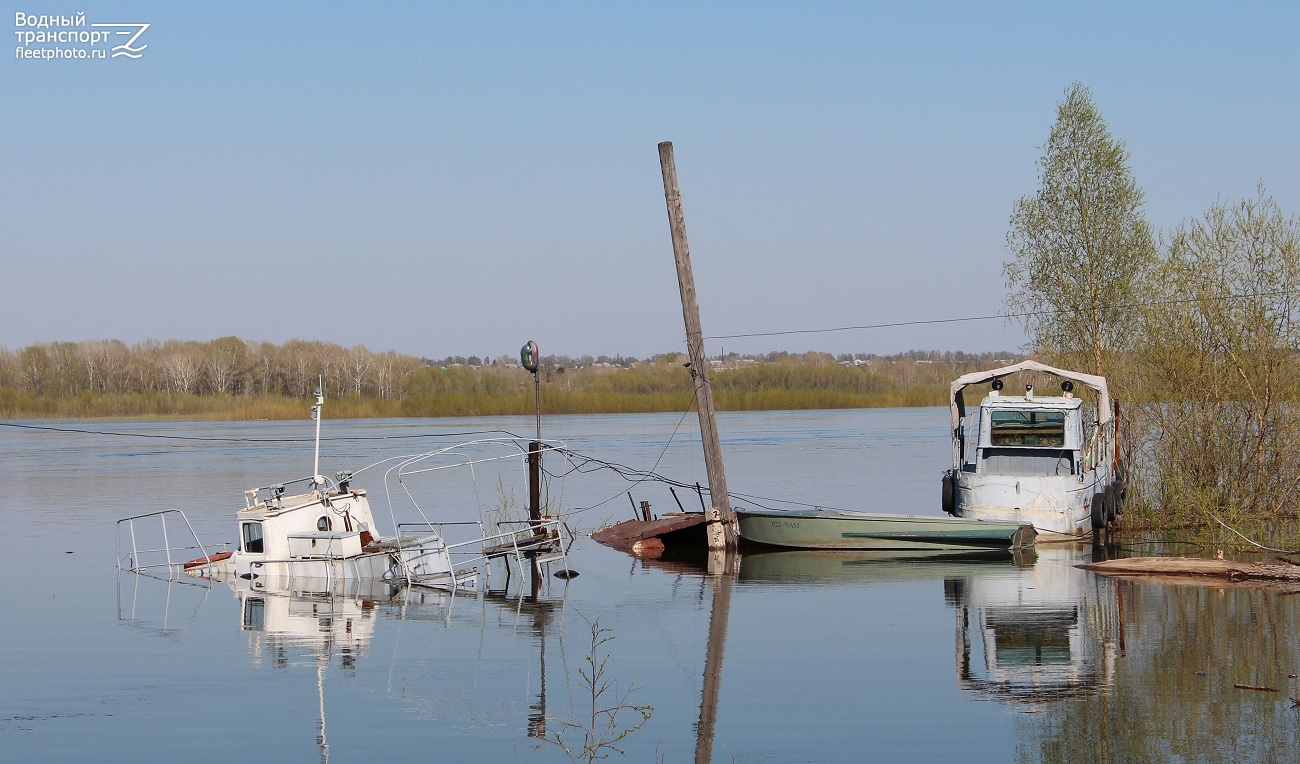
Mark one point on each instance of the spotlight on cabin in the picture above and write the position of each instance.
(1067, 387)
(997, 384)
(1029, 391)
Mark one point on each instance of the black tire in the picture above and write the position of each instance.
(1111, 502)
(1098, 508)
(949, 494)
(1121, 487)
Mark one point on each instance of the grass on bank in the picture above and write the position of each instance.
(154, 406)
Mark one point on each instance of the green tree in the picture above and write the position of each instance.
(1080, 244)
(1217, 357)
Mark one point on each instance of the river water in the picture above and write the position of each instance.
(809, 657)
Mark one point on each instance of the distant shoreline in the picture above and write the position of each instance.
(232, 380)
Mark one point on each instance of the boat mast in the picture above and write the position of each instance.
(315, 414)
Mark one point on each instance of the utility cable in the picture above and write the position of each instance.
(1007, 316)
(195, 438)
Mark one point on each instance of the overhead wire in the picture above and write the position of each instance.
(1006, 316)
(619, 469)
(197, 438)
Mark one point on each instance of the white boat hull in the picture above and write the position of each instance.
(1058, 507)
(424, 561)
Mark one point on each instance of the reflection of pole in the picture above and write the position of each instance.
(713, 658)
(320, 690)
(720, 519)
(537, 719)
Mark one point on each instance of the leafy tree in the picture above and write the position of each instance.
(1217, 355)
(1080, 243)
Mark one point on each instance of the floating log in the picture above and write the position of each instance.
(1197, 567)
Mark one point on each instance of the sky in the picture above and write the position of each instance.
(450, 178)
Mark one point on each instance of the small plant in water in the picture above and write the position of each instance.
(506, 509)
(596, 731)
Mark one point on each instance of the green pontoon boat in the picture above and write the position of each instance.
(843, 529)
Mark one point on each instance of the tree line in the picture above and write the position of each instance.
(237, 379)
(224, 366)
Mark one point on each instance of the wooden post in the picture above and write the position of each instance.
(535, 507)
(720, 532)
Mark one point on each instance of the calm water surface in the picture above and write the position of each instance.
(823, 657)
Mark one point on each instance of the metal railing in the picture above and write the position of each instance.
(516, 543)
(150, 559)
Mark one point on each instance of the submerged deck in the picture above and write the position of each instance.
(649, 537)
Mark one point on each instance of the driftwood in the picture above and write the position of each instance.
(1163, 567)
(1255, 687)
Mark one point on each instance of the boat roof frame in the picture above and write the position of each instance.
(957, 401)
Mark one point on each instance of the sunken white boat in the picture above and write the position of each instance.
(322, 537)
(1052, 461)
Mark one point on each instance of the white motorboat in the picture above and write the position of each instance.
(1051, 461)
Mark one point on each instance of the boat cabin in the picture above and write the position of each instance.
(329, 524)
(1025, 436)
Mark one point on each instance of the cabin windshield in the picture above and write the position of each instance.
(1040, 429)
(253, 537)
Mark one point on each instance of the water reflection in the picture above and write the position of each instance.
(1042, 632)
(332, 629)
(1030, 626)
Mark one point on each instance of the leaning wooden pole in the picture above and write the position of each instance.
(720, 526)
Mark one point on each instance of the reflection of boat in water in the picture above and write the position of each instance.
(339, 643)
(340, 628)
(882, 566)
(1031, 626)
(1050, 631)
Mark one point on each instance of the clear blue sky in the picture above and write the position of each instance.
(457, 178)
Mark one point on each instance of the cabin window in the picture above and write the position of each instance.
(1042, 429)
(323, 524)
(254, 614)
(253, 537)
(970, 440)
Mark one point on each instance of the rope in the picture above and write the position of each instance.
(1251, 542)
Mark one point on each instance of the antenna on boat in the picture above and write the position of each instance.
(315, 414)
